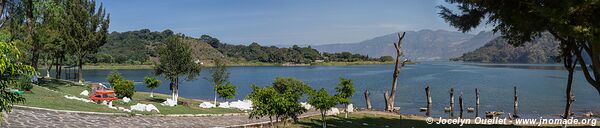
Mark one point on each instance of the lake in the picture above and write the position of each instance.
(541, 87)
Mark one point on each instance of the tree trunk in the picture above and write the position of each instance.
(151, 92)
(80, 70)
(323, 119)
(570, 66)
(215, 95)
(397, 66)
(31, 32)
(368, 100)
(386, 100)
(346, 116)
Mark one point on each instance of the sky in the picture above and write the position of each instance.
(278, 22)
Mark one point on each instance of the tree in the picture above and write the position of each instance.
(322, 101)
(226, 91)
(114, 77)
(88, 29)
(345, 91)
(264, 102)
(291, 90)
(573, 23)
(175, 61)
(219, 77)
(151, 83)
(386, 58)
(389, 100)
(10, 69)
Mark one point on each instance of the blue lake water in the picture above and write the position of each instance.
(541, 88)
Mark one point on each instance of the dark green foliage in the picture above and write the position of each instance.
(346, 57)
(131, 46)
(176, 60)
(151, 82)
(226, 91)
(386, 58)
(345, 91)
(24, 83)
(114, 77)
(541, 50)
(124, 88)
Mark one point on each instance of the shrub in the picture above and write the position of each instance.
(226, 91)
(114, 77)
(124, 88)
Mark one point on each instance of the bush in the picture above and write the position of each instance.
(114, 77)
(226, 91)
(25, 83)
(124, 88)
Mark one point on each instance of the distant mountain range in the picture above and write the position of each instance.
(417, 45)
(543, 49)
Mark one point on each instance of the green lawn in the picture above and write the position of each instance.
(42, 97)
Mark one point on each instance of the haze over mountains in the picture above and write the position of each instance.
(417, 45)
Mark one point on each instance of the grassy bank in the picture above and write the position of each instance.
(50, 94)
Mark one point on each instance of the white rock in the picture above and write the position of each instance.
(77, 98)
(121, 108)
(126, 99)
(242, 105)
(350, 108)
(206, 105)
(224, 105)
(126, 110)
(112, 107)
(306, 105)
(85, 93)
(138, 107)
(332, 111)
(151, 108)
(169, 102)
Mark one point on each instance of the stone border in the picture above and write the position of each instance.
(129, 114)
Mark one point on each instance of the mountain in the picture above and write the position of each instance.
(417, 45)
(543, 49)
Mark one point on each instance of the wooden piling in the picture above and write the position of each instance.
(428, 94)
(460, 102)
(368, 100)
(476, 102)
(516, 104)
(451, 99)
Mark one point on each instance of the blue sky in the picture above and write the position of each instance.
(273, 22)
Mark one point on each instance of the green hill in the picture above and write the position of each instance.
(543, 49)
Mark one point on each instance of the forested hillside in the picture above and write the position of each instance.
(137, 47)
(543, 49)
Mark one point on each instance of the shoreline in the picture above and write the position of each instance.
(150, 66)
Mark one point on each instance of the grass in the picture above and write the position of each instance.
(42, 97)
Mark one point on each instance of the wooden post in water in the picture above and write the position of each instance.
(460, 102)
(516, 105)
(428, 94)
(368, 100)
(451, 99)
(477, 102)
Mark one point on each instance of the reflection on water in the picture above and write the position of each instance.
(521, 66)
